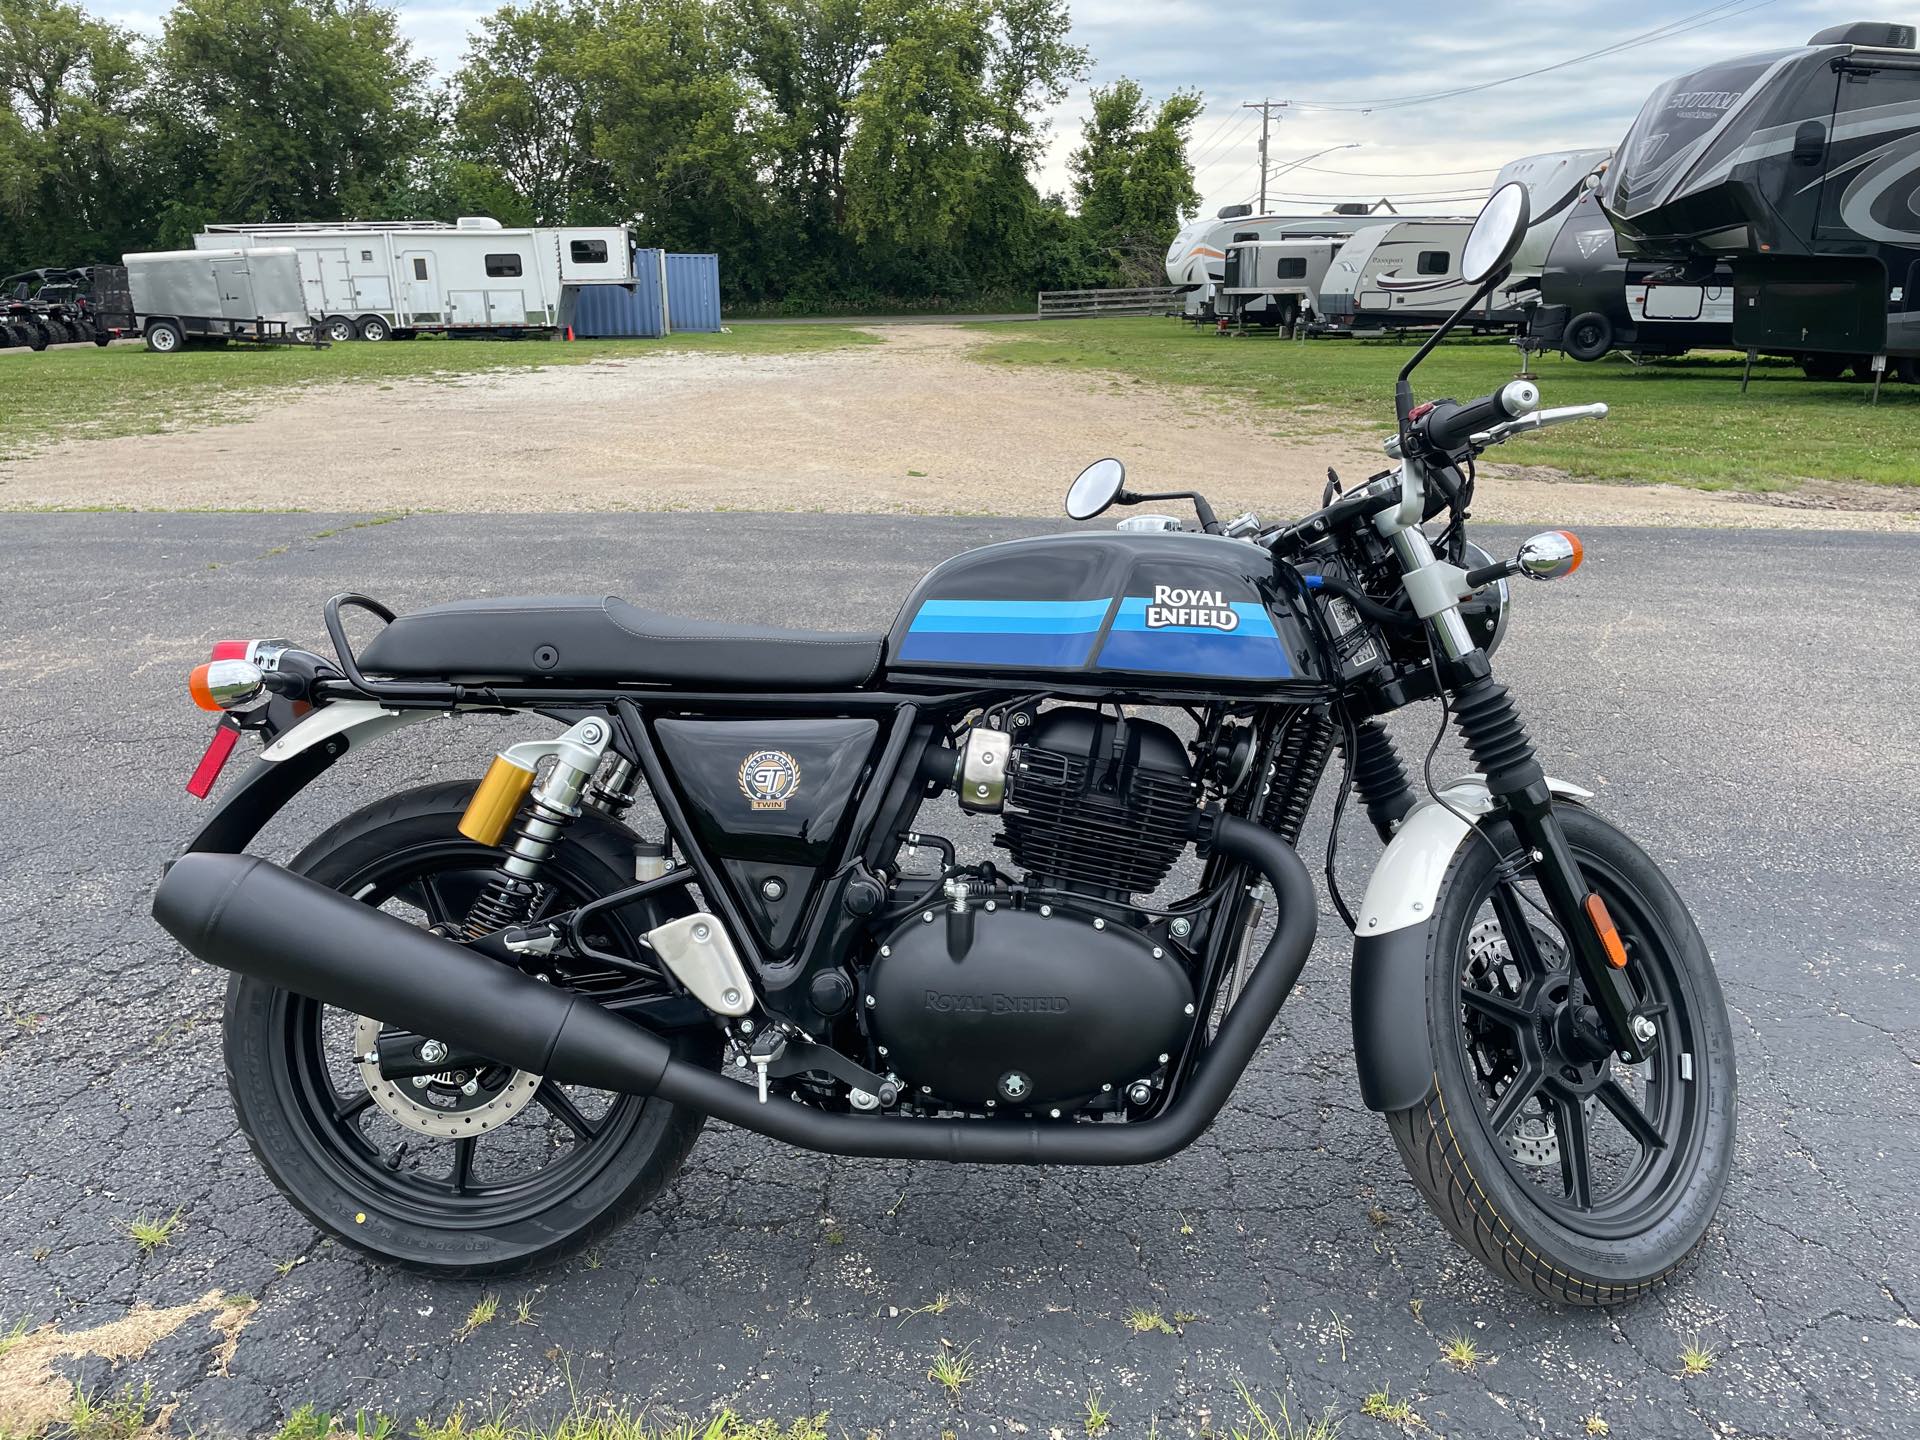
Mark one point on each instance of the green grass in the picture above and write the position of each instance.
(150, 1234)
(600, 1423)
(952, 1369)
(1681, 421)
(1695, 1358)
(88, 393)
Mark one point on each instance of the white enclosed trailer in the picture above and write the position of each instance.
(1420, 252)
(372, 279)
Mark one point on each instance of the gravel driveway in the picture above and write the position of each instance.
(911, 425)
(1707, 684)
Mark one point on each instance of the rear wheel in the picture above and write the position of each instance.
(470, 1172)
(164, 337)
(372, 327)
(1580, 1178)
(339, 329)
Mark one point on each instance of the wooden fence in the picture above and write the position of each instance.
(1145, 300)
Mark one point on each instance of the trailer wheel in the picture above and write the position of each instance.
(164, 337)
(339, 329)
(372, 327)
(1588, 337)
(1823, 367)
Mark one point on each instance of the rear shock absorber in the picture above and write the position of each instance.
(508, 796)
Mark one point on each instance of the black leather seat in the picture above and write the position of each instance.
(578, 637)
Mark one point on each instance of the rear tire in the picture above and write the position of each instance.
(338, 329)
(1588, 336)
(285, 1061)
(164, 337)
(1510, 1199)
(373, 328)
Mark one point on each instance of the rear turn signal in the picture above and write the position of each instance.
(225, 684)
(1603, 926)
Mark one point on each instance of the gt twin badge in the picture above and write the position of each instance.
(769, 778)
(1204, 608)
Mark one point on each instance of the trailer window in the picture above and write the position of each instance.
(419, 267)
(503, 267)
(367, 255)
(1434, 262)
(588, 252)
(1290, 267)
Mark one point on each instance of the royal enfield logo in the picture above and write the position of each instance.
(1206, 609)
(768, 779)
(946, 1002)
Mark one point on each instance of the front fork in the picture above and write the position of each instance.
(1502, 752)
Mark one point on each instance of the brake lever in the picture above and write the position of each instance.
(1534, 420)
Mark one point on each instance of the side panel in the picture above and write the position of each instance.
(771, 800)
(693, 293)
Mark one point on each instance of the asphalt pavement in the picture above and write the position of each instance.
(1744, 703)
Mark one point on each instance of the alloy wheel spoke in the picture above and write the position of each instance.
(1632, 1118)
(560, 1105)
(462, 1177)
(349, 1108)
(1576, 1166)
(1495, 1007)
(1514, 1100)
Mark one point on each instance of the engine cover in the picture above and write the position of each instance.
(1036, 1011)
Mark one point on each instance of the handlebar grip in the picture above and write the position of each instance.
(1448, 425)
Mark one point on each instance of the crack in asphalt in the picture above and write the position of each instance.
(729, 1290)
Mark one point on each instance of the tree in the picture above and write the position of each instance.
(290, 109)
(524, 117)
(1132, 180)
(73, 177)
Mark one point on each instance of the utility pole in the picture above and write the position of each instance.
(1266, 109)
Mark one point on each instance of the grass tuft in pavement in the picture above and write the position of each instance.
(151, 1234)
(1681, 421)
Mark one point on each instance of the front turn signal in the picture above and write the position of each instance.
(221, 685)
(1550, 555)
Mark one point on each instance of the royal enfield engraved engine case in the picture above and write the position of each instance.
(1036, 1011)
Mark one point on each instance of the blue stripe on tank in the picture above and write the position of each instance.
(987, 647)
(1196, 652)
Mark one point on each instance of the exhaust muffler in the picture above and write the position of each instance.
(250, 916)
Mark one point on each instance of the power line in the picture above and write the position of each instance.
(1242, 124)
(1397, 174)
(1712, 15)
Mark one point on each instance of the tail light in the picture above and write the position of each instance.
(226, 684)
(258, 651)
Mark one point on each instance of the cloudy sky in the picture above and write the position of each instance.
(1345, 57)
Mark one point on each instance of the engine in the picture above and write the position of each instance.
(1098, 803)
(1048, 995)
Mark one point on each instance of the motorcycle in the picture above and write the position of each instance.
(473, 1026)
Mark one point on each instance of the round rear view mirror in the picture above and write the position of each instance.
(1497, 234)
(1095, 488)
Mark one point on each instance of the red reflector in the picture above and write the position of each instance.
(225, 735)
(230, 650)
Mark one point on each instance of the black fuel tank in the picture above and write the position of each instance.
(1104, 606)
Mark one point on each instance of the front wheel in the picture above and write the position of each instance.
(466, 1172)
(1582, 1179)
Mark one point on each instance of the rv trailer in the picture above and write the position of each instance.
(1419, 249)
(1555, 183)
(374, 279)
(1196, 260)
(1593, 300)
(1798, 169)
(1274, 283)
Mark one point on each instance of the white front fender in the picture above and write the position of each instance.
(1406, 883)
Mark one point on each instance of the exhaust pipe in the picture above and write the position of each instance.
(253, 917)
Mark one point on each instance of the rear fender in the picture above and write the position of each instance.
(1394, 936)
(298, 757)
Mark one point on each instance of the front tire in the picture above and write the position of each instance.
(1586, 1182)
(550, 1174)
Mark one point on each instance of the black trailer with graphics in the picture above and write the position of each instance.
(1799, 171)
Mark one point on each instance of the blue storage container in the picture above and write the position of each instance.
(693, 292)
(619, 309)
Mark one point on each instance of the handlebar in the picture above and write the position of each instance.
(1447, 426)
